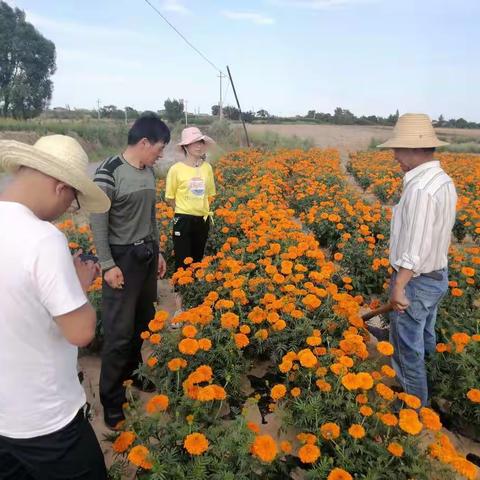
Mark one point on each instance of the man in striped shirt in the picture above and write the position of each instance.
(420, 237)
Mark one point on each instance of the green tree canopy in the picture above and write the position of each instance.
(173, 110)
(27, 61)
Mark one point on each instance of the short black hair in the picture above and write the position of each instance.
(150, 126)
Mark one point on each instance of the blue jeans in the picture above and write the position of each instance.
(412, 332)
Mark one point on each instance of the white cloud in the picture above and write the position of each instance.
(175, 6)
(319, 4)
(256, 18)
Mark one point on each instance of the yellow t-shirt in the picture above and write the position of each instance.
(190, 187)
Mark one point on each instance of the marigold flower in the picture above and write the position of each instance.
(430, 419)
(323, 385)
(330, 431)
(123, 441)
(410, 400)
(285, 447)
(385, 348)
(195, 443)
(189, 331)
(139, 456)
(309, 438)
(158, 403)
(441, 348)
(252, 426)
(365, 380)
(295, 392)
(395, 449)
(205, 344)
(307, 358)
(388, 371)
(339, 474)
(265, 448)
(152, 361)
(366, 411)
(230, 320)
(474, 395)
(389, 419)
(241, 340)
(350, 381)
(409, 421)
(278, 392)
(356, 431)
(145, 335)
(155, 339)
(188, 346)
(309, 453)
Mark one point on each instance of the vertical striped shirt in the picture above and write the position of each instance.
(423, 219)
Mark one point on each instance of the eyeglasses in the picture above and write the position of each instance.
(75, 206)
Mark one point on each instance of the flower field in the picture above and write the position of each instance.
(295, 256)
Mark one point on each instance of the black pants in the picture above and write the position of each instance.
(125, 315)
(71, 453)
(190, 235)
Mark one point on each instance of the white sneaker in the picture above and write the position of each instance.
(176, 325)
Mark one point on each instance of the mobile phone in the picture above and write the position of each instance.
(86, 257)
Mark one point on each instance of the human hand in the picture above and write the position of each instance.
(398, 299)
(86, 271)
(162, 266)
(114, 278)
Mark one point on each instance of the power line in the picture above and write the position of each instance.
(183, 37)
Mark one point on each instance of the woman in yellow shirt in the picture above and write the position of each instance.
(190, 185)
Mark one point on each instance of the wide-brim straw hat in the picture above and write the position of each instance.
(413, 130)
(193, 134)
(60, 157)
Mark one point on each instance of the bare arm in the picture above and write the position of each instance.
(78, 327)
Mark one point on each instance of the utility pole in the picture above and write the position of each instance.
(220, 103)
(185, 107)
(98, 109)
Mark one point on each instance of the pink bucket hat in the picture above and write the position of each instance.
(193, 134)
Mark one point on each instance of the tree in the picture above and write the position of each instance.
(263, 114)
(173, 110)
(27, 61)
(216, 110)
(232, 113)
(248, 117)
(311, 114)
(343, 117)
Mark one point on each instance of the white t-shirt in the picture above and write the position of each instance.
(39, 388)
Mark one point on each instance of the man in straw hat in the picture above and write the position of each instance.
(420, 236)
(127, 240)
(45, 314)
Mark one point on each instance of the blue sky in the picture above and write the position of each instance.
(287, 56)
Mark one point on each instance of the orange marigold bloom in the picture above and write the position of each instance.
(158, 403)
(430, 419)
(314, 341)
(295, 392)
(176, 364)
(395, 449)
(245, 329)
(339, 474)
(241, 340)
(152, 361)
(188, 346)
(409, 421)
(411, 400)
(388, 371)
(252, 426)
(457, 292)
(330, 431)
(139, 456)
(356, 431)
(350, 381)
(278, 391)
(285, 366)
(311, 301)
(385, 348)
(323, 385)
(309, 438)
(195, 443)
(205, 344)
(309, 453)
(389, 419)
(365, 380)
(189, 331)
(123, 441)
(441, 348)
(285, 447)
(468, 271)
(474, 395)
(265, 448)
(145, 335)
(366, 411)
(230, 320)
(385, 392)
(361, 398)
(307, 358)
(155, 339)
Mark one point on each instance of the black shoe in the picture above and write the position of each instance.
(143, 385)
(113, 418)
